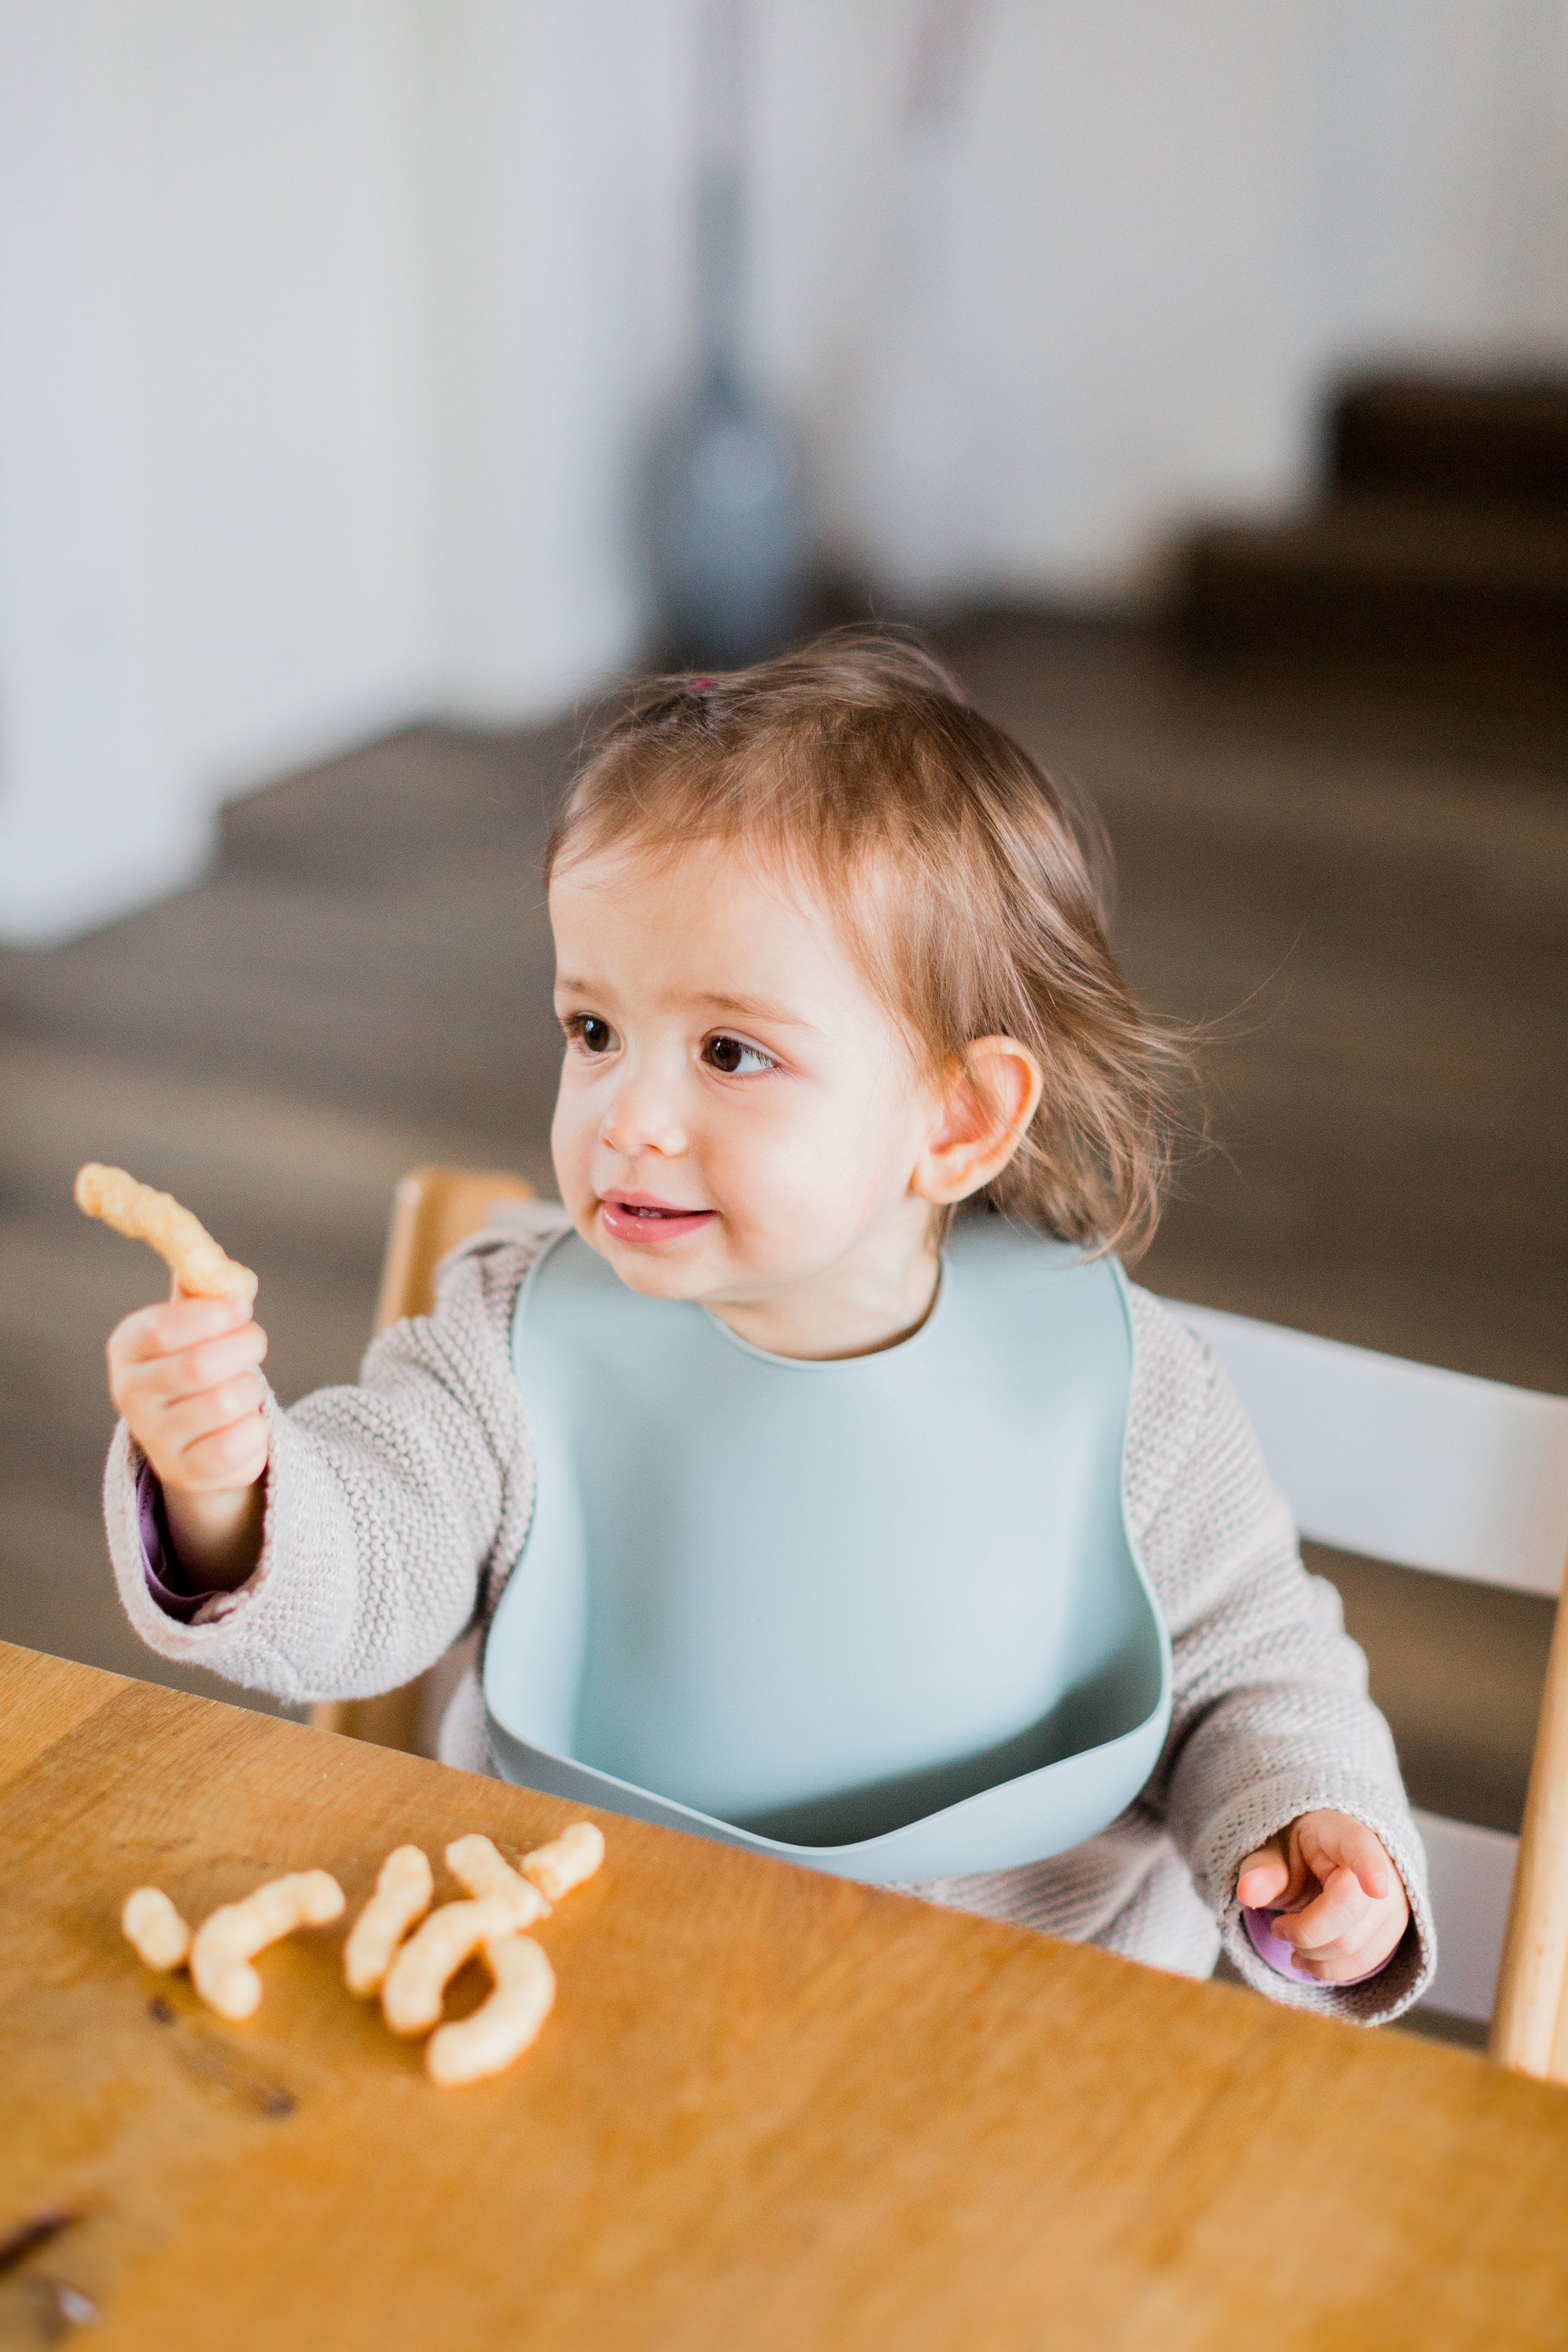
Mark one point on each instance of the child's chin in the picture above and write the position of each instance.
(649, 1271)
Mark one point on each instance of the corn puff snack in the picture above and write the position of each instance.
(403, 1894)
(398, 1946)
(556, 1868)
(504, 2025)
(226, 1942)
(417, 1980)
(479, 1867)
(150, 1921)
(184, 1243)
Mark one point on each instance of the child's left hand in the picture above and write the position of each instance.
(1341, 1902)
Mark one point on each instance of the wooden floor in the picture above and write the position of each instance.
(1365, 893)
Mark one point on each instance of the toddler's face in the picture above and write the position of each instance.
(740, 1121)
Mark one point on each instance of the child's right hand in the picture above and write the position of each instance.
(185, 1376)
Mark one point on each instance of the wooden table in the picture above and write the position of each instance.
(772, 2110)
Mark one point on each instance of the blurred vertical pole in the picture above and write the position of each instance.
(724, 500)
(917, 429)
(721, 95)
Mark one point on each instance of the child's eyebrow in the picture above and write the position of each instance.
(754, 1008)
(739, 1008)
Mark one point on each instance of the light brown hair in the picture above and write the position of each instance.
(970, 890)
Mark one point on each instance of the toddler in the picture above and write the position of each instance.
(819, 1481)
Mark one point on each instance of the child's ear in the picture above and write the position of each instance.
(991, 1095)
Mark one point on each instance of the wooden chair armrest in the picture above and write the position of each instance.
(1529, 2021)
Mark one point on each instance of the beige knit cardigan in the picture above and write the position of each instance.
(397, 1508)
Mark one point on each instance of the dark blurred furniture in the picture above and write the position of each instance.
(1441, 541)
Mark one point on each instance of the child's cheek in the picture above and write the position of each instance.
(571, 1147)
(815, 1190)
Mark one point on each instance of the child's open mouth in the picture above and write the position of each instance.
(639, 1217)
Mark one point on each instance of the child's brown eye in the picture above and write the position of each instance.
(734, 1056)
(592, 1035)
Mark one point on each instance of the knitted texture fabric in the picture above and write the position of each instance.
(397, 1508)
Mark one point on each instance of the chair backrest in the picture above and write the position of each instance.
(1464, 1477)
(1400, 1461)
(434, 1209)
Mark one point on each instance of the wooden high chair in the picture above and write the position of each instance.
(1394, 1459)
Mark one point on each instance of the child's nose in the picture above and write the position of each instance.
(643, 1118)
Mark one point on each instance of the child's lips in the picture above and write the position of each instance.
(640, 1218)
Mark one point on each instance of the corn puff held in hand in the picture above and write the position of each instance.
(403, 1894)
(226, 1943)
(556, 1868)
(417, 1980)
(481, 1869)
(151, 1924)
(188, 1249)
(505, 2024)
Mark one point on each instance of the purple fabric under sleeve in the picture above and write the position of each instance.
(165, 1580)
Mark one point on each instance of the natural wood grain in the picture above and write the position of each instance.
(433, 1209)
(1529, 2021)
(42, 1705)
(774, 2110)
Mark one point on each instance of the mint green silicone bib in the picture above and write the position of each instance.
(880, 1616)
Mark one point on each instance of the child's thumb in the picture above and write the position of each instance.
(1262, 1878)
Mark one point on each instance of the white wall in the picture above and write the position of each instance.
(1109, 290)
(208, 447)
(263, 152)
(91, 810)
(557, 136)
(330, 330)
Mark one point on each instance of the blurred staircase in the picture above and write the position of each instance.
(1441, 545)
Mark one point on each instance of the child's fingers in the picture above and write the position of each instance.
(192, 1372)
(182, 1402)
(1357, 1909)
(216, 1458)
(1356, 1956)
(222, 1459)
(1335, 1968)
(174, 1324)
(1335, 1841)
(207, 1454)
(182, 1423)
(1289, 1881)
(1335, 1916)
(212, 1406)
(1262, 1878)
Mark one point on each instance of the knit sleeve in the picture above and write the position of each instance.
(1271, 1715)
(394, 1508)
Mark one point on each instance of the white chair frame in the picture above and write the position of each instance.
(1456, 1477)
